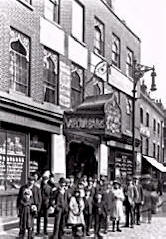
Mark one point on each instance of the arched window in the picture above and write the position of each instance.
(50, 79)
(116, 51)
(19, 67)
(99, 37)
(96, 90)
(129, 63)
(76, 85)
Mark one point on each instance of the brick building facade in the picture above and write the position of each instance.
(56, 55)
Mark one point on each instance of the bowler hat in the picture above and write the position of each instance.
(116, 182)
(62, 180)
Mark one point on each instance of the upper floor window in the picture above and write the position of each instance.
(50, 64)
(141, 116)
(141, 145)
(19, 62)
(147, 119)
(78, 20)
(98, 86)
(116, 51)
(77, 78)
(128, 114)
(129, 63)
(99, 37)
(154, 125)
(158, 152)
(154, 150)
(147, 146)
(158, 128)
(51, 10)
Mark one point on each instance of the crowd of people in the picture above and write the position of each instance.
(84, 204)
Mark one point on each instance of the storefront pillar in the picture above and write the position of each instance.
(103, 165)
(58, 158)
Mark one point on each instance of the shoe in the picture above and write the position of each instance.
(138, 223)
(105, 231)
(132, 226)
(119, 230)
(88, 234)
(46, 233)
(38, 234)
(126, 225)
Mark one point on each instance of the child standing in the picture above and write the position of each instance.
(25, 210)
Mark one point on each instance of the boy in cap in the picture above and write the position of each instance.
(59, 201)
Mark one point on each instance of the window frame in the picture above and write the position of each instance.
(154, 150)
(116, 54)
(154, 125)
(147, 146)
(48, 85)
(82, 39)
(16, 61)
(147, 119)
(55, 14)
(129, 64)
(73, 88)
(100, 28)
(141, 115)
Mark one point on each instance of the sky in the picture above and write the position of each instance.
(147, 18)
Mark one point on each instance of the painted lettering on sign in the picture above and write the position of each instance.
(84, 123)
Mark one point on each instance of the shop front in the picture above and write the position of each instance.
(87, 130)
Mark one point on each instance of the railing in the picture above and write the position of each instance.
(8, 203)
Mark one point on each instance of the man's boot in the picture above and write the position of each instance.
(113, 225)
(118, 228)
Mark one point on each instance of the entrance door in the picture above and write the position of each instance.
(81, 160)
(38, 161)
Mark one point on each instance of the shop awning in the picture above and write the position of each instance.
(99, 115)
(155, 164)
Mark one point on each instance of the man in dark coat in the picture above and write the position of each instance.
(59, 201)
(131, 196)
(45, 203)
(88, 200)
(140, 199)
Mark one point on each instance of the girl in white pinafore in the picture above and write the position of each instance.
(117, 205)
(76, 216)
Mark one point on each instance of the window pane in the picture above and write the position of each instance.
(49, 10)
(77, 20)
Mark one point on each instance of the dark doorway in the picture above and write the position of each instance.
(38, 161)
(81, 160)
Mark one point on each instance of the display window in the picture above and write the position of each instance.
(12, 159)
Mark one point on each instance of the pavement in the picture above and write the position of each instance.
(155, 230)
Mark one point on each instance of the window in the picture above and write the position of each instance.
(147, 119)
(12, 158)
(129, 63)
(28, 1)
(158, 128)
(77, 75)
(51, 10)
(78, 20)
(116, 51)
(128, 114)
(147, 146)
(19, 62)
(99, 37)
(154, 125)
(141, 145)
(158, 152)
(141, 116)
(50, 64)
(154, 150)
(98, 87)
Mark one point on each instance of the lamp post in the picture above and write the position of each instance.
(138, 72)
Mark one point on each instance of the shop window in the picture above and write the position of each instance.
(99, 37)
(19, 62)
(77, 78)
(129, 63)
(147, 119)
(12, 159)
(147, 147)
(51, 10)
(50, 77)
(78, 20)
(116, 51)
(141, 116)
